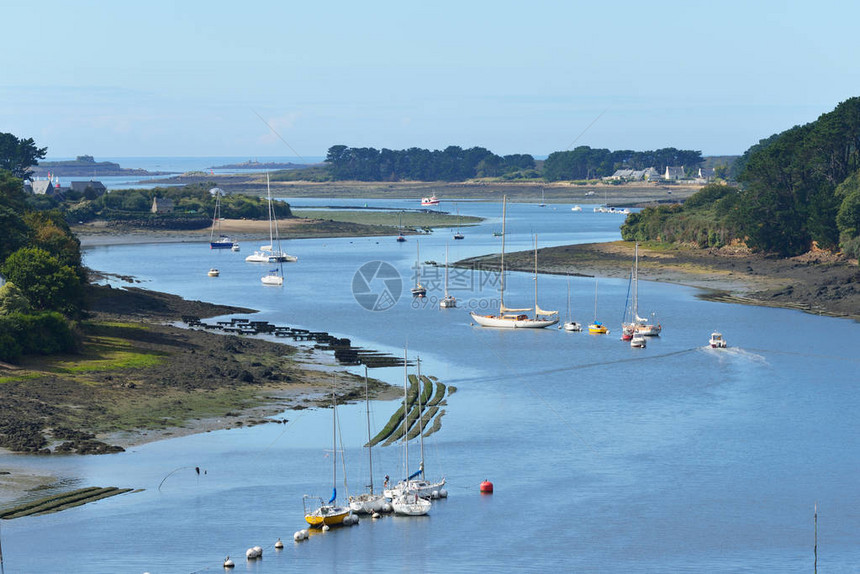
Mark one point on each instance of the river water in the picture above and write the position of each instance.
(605, 458)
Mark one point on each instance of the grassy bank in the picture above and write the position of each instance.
(138, 379)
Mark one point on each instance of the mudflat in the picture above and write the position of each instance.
(817, 282)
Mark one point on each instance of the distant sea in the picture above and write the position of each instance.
(175, 165)
(183, 164)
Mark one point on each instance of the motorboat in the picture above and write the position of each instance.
(429, 201)
(638, 341)
(717, 341)
(214, 272)
(576, 208)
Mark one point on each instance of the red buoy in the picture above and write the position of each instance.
(486, 487)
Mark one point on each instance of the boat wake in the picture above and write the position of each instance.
(737, 353)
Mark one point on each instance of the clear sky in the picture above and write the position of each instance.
(189, 78)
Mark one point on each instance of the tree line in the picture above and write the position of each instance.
(798, 188)
(415, 164)
(584, 162)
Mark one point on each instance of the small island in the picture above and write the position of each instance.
(87, 166)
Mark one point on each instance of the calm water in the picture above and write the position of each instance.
(605, 458)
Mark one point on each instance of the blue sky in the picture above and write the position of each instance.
(188, 78)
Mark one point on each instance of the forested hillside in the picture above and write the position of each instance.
(797, 188)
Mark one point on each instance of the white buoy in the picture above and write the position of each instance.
(434, 495)
(228, 563)
(375, 515)
(387, 507)
(250, 554)
(443, 493)
(325, 528)
(298, 536)
(305, 533)
(279, 544)
(259, 551)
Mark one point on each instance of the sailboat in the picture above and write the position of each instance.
(570, 324)
(222, 241)
(515, 318)
(328, 513)
(268, 253)
(400, 238)
(458, 235)
(368, 502)
(542, 204)
(448, 301)
(596, 327)
(274, 277)
(637, 324)
(418, 290)
(409, 496)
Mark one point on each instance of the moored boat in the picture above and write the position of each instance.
(327, 513)
(429, 201)
(509, 318)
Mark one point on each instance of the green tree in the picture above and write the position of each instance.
(47, 284)
(12, 300)
(19, 155)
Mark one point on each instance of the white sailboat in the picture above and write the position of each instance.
(449, 301)
(328, 513)
(274, 277)
(509, 318)
(570, 324)
(220, 241)
(458, 235)
(637, 324)
(269, 253)
(419, 290)
(368, 502)
(405, 497)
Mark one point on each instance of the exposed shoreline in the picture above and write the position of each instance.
(817, 282)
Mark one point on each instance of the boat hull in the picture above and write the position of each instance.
(367, 503)
(649, 330)
(596, 329)
(221, 245)
(511, 321)
(411, 505)
(327, 516)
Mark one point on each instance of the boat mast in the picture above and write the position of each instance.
(369, 447)
(535, 279)
(420, 429)
(406, 411)
(595, 299)
(446, 270)
(269, 197)
(334, 444)
(635, 317)
(502, 264)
